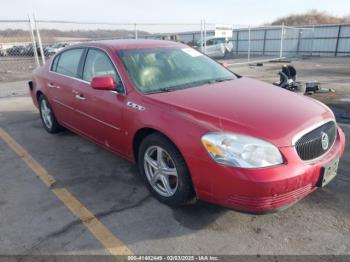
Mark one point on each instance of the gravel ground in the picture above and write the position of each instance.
(329, 72)
(15, 69)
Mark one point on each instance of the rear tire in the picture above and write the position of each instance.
(48, 117)
(164, 170)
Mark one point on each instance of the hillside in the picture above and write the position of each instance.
(312, 17)
(47, 35)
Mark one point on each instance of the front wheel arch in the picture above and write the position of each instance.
(187, 191)
(142, 134)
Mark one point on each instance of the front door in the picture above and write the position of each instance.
(100, 112)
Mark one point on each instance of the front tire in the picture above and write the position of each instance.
(48, 117)
(164, 170)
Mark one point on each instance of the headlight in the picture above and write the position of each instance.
(241, 151)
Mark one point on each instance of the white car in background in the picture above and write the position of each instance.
(216, 47)
(52, 50)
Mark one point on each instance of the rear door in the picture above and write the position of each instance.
(63, 78)
(100, 112)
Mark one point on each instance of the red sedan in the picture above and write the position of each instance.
(194, 128)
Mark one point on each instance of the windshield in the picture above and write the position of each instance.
(169, 68)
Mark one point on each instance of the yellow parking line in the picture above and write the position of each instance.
(112, 244)
(99, 230)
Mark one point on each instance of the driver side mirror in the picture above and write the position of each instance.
(103, 83)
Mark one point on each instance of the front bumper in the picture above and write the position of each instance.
(264, 189)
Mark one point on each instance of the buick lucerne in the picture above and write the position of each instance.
(194, 128)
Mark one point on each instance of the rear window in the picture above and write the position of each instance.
(68, 62)
(54, 63)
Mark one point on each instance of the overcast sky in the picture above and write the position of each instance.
(238, 12)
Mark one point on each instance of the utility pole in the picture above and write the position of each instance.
(282, 39)
(33, 42)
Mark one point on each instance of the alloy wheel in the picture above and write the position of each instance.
(160, 171)
(46, 114)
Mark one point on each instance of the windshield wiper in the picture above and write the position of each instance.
(166, 89)
(176, 87)
(188, 85)
(211, 81)
(161, 90)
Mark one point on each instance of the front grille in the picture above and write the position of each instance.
(313, 144)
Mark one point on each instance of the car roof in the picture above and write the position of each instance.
(122, 44)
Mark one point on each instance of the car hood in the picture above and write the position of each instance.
(249, 107)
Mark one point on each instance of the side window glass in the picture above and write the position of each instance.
(97, 63)
(220, 41)
(69, 62)
(54, 63)
(210, 42)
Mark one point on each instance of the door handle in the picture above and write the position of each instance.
(79, 97)
(52, 85)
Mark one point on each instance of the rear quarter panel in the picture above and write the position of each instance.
(39, 79)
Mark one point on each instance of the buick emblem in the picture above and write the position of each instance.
(324, 141)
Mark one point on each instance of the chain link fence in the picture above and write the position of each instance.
(26, 44)
(17, 59)
(255, 44)
(56, 35)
